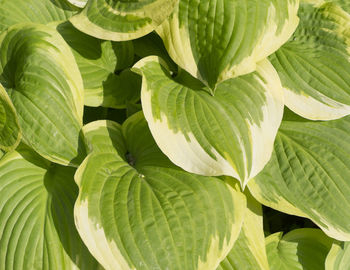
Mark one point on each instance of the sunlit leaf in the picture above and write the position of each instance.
(249, 250)
(229, 132)
(122, 20)
(308, 174)
(137, 211)
(217, 40)
(313, 65)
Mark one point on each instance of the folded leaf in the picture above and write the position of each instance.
(40, 75)
(308, 174)
(249, 250)
(36, 216)
(299, 249)
(36, 11)
(339, 256)
(313, 65)
(98, 61)
(122, 20)
(10, 133)
(137, 211)
(230, 132)
(217, 40)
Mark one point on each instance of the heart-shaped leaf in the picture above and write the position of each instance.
(36, 216)
(137, 211)
(36, 11)
(308, 174)
(40, 75)
(216, 40)
(230, 132)
(313, 65)
(299, 249)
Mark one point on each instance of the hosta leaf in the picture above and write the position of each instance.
(228, 133)
(308, 174)
(217, 40)
(36, 11)
(249, 250)
(344, 4)
(118, 91)
(136, 211)
(122, 20)
(78, 3)
(339, 256)
(36, 216)
(98, 61)
(104, 136)
(313, 64)
(301, 249)
(10, 134)
(42, 79)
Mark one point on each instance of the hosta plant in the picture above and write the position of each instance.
(175, 134)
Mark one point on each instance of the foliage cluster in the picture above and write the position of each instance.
(150, 134)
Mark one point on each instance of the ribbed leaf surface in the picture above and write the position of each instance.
(36, 216)
(215, 40)
(136, 212)
(308, 174)
(249, 251)
(313, 65)
(36, 11)
(122, 20)
(230, 132)
(41, 76)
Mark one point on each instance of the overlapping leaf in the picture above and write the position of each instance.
(299, 249)
(36, 11)
(98, 61)
(339, 256)
(122, 20)
(249, 250)
(313, 65)
(42, 79)
(308, 174)
(218, 40)
(137, 211)
(230, 132)
(10, 134)
(36, 212)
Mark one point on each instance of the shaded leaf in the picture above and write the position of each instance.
(36, 216)
(42, 79)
